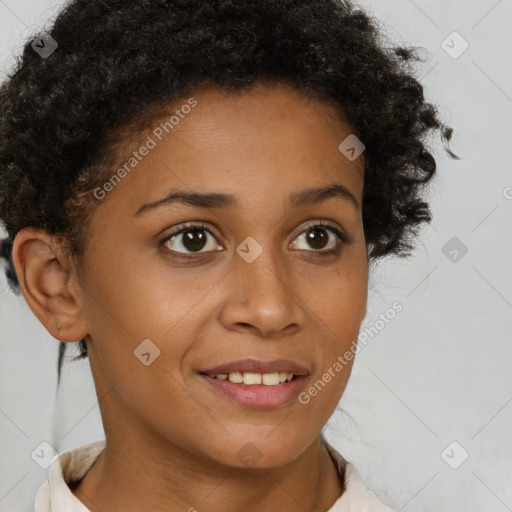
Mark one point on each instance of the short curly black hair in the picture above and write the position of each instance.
(119, 63)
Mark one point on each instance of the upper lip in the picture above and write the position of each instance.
(259, 366)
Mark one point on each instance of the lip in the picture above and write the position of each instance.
(251, 365)
(258, 396)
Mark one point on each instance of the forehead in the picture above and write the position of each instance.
(268, 140)
(279, 113)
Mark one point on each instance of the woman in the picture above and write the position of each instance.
(195, 191)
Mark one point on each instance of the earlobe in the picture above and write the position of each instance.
(46, 282)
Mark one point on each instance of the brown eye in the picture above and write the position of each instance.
(190, 240)
(317, 237)
(194, 239)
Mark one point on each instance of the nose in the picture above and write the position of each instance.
(261, 298)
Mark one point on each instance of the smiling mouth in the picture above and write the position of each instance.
(254, 379)
(257, 390)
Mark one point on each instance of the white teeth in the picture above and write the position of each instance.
(270, 379)
(251, 379)
(236, 377)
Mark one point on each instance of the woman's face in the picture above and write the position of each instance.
(253, 281)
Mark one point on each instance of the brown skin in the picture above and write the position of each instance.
(172, 442)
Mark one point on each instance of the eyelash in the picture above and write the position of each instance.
(343, 238)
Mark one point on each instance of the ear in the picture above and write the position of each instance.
(48, 281)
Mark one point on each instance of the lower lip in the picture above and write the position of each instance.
(258, 396)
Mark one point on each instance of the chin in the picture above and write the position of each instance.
(261, 450)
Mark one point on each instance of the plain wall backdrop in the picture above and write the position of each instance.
(427, 415)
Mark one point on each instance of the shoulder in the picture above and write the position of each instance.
(355, 497)
(54, 495)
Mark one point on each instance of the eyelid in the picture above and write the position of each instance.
(193, 224)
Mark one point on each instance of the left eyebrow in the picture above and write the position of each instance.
(298, 199)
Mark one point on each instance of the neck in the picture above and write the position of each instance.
(134, 476)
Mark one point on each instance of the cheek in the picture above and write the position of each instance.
(340, 307)
(141, 298)
(341, 297)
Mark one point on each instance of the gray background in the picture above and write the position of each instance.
(439, 373)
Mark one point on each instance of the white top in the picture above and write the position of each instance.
(54, 495)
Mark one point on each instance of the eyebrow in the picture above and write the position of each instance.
(298, 199)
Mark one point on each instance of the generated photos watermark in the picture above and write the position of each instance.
(152, 141)
(356, 346)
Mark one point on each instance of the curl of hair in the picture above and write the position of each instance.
(121, 63)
